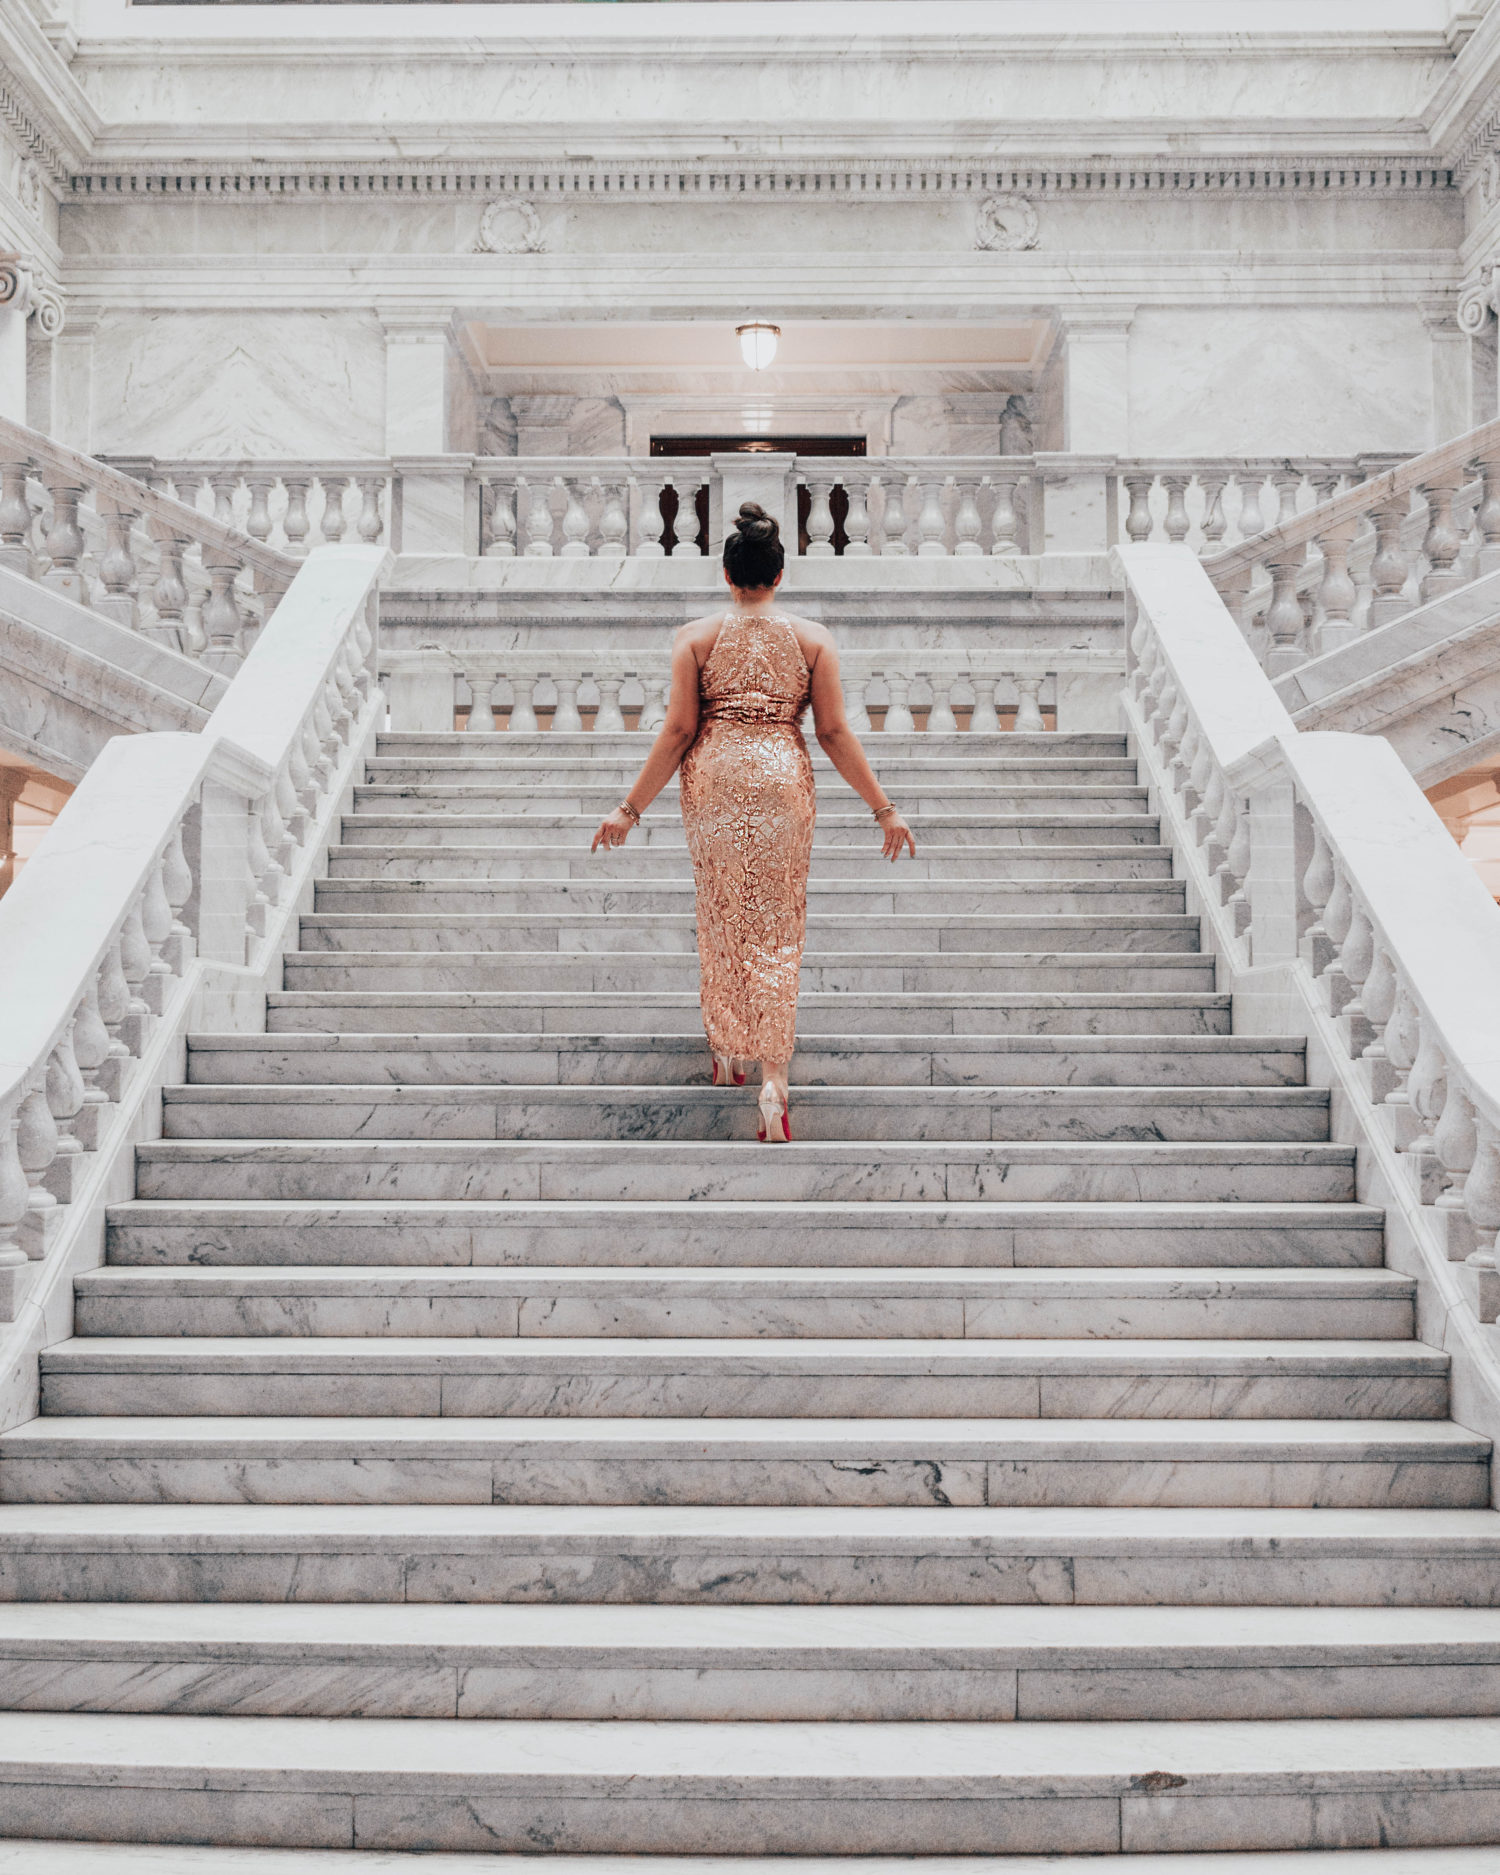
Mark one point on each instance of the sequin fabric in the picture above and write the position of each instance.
(748, 805)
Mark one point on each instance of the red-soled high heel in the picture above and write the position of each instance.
(775, 1118)
(724, 1072)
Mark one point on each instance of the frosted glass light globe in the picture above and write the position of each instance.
(758, 342)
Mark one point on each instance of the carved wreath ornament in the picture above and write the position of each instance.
(509, 227)
(1006, 224)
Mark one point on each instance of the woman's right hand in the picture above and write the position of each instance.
(614, 830)
(895, 834)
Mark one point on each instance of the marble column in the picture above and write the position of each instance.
(435, 497)
(1096, 383)
(15, 304)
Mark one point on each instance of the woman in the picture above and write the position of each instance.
(740, 682)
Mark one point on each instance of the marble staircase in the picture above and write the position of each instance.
(475, 1437)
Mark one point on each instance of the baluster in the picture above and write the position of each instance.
(1336, 590)
(820, 521)
(1402, 1034)
(331, 522)
(649, 525)
(15, 1194)
(1486, 515)
(1214, 521)
(855, 689)
(857, 520)
(1005, 523)
(523, 710)
(685, 526)
(1285, 618)
(258, 519)
(931, 526)
(1317, 888)
(1177, 515)
(177, 884)
(294, 523)
(117, 568)
(1454, 1142)
(36, 1148)
(93, 1047)
(1442, 541)
(1251, 521)
(15, 518)
(878, 508)
(502, 522)
(1138, 522)
(900, 505)
(1389, 568)
(1029, 709)
(985, 718)
(614, 523)
(940, 718)
(1287, 482)
(1482, 1207)
(371, 523)
(156, 924)
(898, 716)
(64, 1092)
(221, 613)
(609, 720)
(64, 542)
(565, 717)
(223, 484)
(1427, 1090)
(481, 705)
(967, 522)
(653, 703)
(575, 524)
(537, 497)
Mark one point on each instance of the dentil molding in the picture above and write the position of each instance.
(773, 179)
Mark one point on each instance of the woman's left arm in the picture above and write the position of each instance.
(673, 740)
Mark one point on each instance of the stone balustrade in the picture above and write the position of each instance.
(1341, 909)
(1365, 555)
(293, 506)
(134, 553)
(176, 855)
(940, 692)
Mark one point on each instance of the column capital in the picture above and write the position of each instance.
(1478, 298)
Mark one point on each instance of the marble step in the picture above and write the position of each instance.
(689, 1170)
(604, 1359)
(631, 746)
(210, 1298)
(741, 1788)
(1127, 1236)
(587, 794)
(1188, 1463)
(456, 1111)
(852, 865)
(872, 1664)
(822, 1060)
(760, 1555)
(927, 1013)
(895, 890)
(38, 1857)
(837, 834)
(553, 764)
(611, 934)
(858, 973)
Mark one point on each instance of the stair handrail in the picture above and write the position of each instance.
(1385, 501)
(176, 855)
(24, 450)
(1324, 875)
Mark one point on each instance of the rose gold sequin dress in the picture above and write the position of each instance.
(748, 806)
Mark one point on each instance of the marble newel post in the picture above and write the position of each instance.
(764, 478)
(1096, 383)
(1450, 373)
(15, 303)
(438, 502)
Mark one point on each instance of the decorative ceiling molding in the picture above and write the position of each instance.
(769, 180)
(28, 131)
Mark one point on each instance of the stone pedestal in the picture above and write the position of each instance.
(765, 478)
(1096, 384)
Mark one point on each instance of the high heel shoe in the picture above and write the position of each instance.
(774, 1116)
(724, 1072)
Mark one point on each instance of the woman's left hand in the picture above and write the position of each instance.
(613, 830)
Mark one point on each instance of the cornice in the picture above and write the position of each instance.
(41, 103)
(775, 179)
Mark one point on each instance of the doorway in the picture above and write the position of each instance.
(758, 446)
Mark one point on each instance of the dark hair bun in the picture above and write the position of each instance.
(753, 553)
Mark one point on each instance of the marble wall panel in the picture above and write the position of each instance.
(1277, 381)
(232, 384)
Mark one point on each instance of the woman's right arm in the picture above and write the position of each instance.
(844, 749)
(673, 740)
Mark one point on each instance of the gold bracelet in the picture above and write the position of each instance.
(629, 807)
(879, 812)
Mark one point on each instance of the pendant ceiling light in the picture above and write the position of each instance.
(758, 342)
